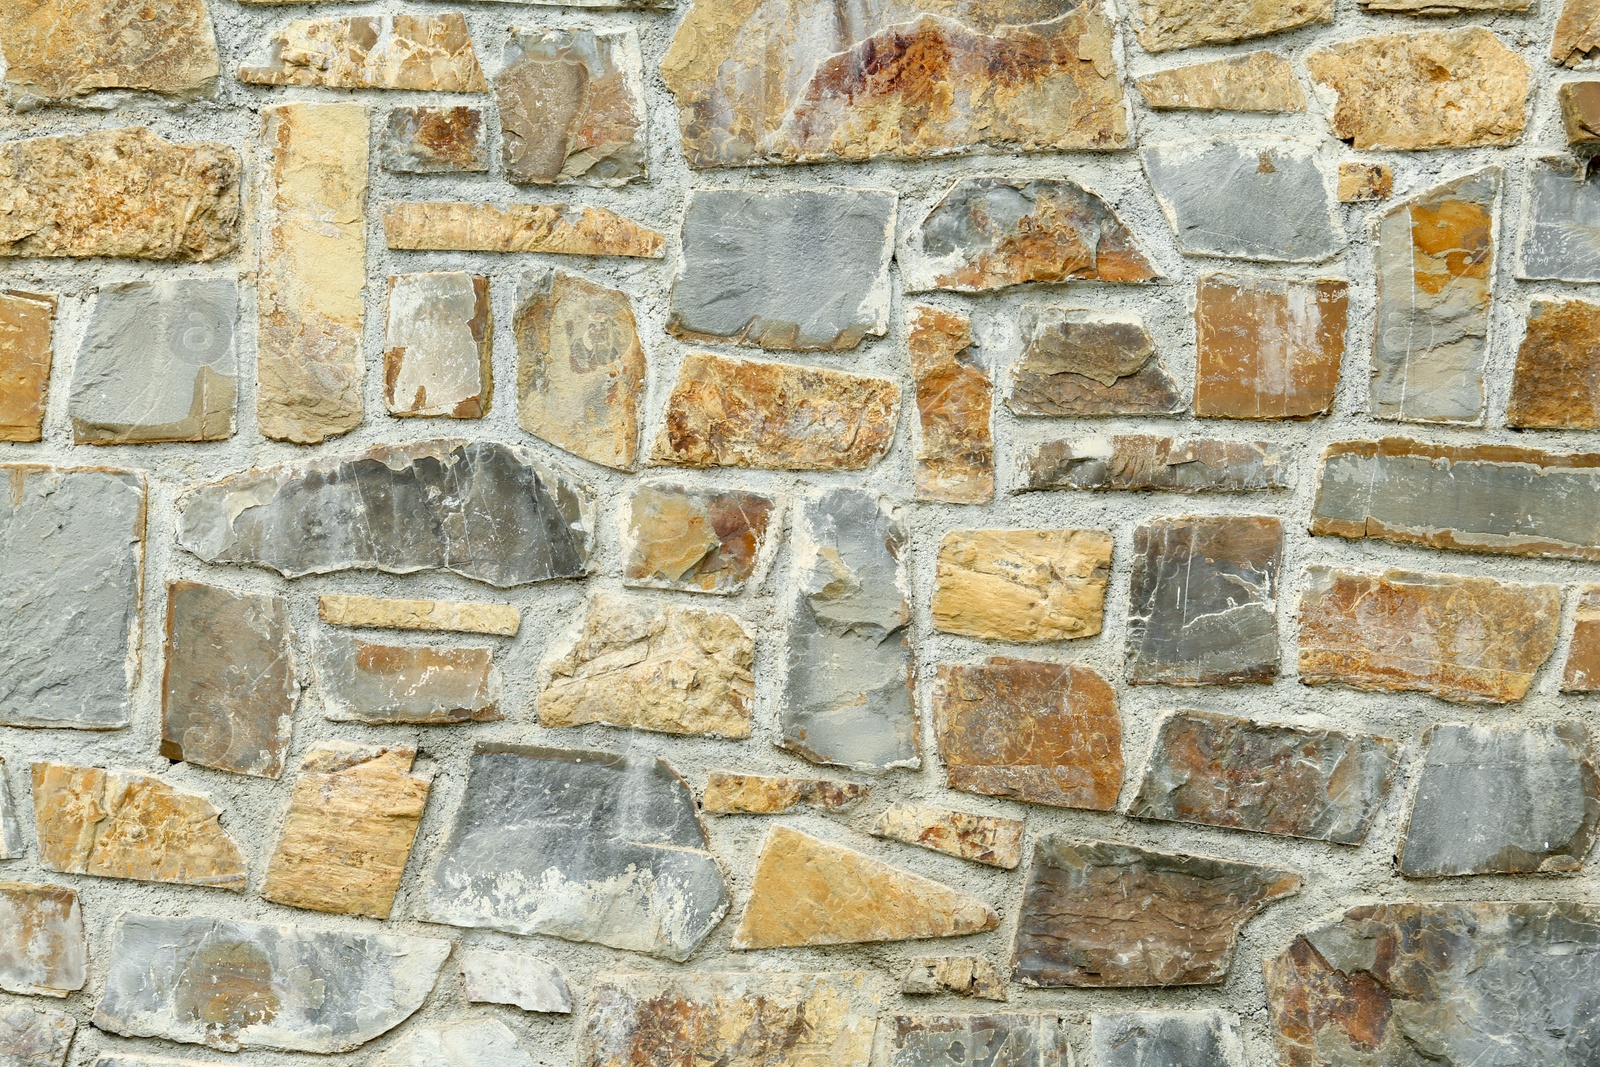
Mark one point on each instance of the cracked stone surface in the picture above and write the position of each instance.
(1207, 1038)
(27, 326)
(56, 50)
(698, 540)
(438, 344)
(1146, 461)
(727, 793)
(33, 1038)
(556, 229)
(1556, 383)
(363, 681)
(1558, 238)
(1268, 348)
(1254, 81)
(451, 616)
(435, 140)
(1171, 24)
(955, 398)
(572, 107)
(428, 52)
(1082, 362)
(42, 948)
(988, 839)
(977, 1041)
(960, 976)
(1021, 585)
(516, 978)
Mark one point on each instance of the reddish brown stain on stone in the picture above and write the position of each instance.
(955, 450)
(1268, 348)
(1556, 384)
(27, 322)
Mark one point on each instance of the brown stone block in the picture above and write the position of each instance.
(1577, 32)
(1360, 182)
(987, 839)
(955, 448)
(1582, 671)
(426, 52)
(1139, 461)
(755, 794)
(435, 140)
(1085, 363)
(1022, 585)
(42, 949)
(59, 49)
(340, 609)
(1255, 81)
(27, 324)
(697, 540)
(438, 343)
(1556, 384)
(1580, 113)
(1268, 348)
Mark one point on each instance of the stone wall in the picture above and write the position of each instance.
(798, 533)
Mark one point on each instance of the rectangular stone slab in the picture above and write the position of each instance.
(1581, 674)
(955, 402)
(27, 324)
(343, 609)
(1556, 382)
(698, 540)
(1557, 240)
(1088, 363)
(1207, 1038)
(1021, 585)
(1148, 462)
(1268, 348)
(1172, 24)
(977, 1041)
(961, 976)
(363, 681)
(42, 948)
(438, 339)
(517, 978)
(56, 50)
(754, 794)
(435, 140)
(12, 844)
(558, 229)
(1254, 81)
(425, 52)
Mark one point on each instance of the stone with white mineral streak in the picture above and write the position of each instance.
(42, 947)
(438, 345)
(1560, 235)
(516, 978)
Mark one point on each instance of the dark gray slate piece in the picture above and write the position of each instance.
(1008, 1040)
(586, 846)
(1561, 223)
(482, 510)
(12, 843)
(1165, 1039)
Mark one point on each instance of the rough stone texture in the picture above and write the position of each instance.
(1254, 81)
(977, 1041)
(59, 49)
(580, 368)
(71, 580)
(1268, 348)
(482, 510)
(554, 229)
(435, 140)
(803, 270)
(1558, 238)
(411, 684)
(634, 873)
(1081, 362)
(467, 1044)
(911, 79)
(1582, 671)
(42, 948)
(1211, 192)
(1463, 639)
(439, 340)
(1022, 585)
(27, 325)
(1482, 984)
(429, 52)
(311, 363)
(806, 891)
(1496, 499)
(1502, 799)
(12, 844)
(987, 839)
(572, 107)
(732, 1020)
(698, 540)
(1145, 461)
(1434, 89)
(648, 666)
(754, 794)
(1237, 773)
(121, 192)
(961, 976)
(341, 609)
(515, 978)
(229, 689)
(117, 824)
(1203, 600)
(1101, 914)
(1360, 182)
(775, 416)
(955, 447)
(33, 1038)
(1208, 1038)
(847, 691)
(1580, 113)
(1169, 24)
(1039, 732)
(1577, 33)
(238, 985)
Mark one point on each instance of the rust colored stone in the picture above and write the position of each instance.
(1580, 113)
(1577, 32)
(987, 839)
(436, 140)
(1360, 182)
(59, 49)
(339, 609)
(754, 794)
(427, 52)
(42, 949)
(1268, 348)
(27, 324)
(1022, 585)
(559, 229)
(1045, 733)
(1170, 24)
(1083, 363)
(955, 449)
(961, 976)
(1144, 461)
(1556, 384)
(697, 540)
(1255, 81)
(1582, 671)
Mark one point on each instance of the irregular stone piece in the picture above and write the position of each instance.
(812, 892)
(435, 140)
(428, 52)
(32, 1038)
(1166, 1039)
(1102, 914)
(468, 1044)
(1359, 182)
(121, 192)
(1170, 24)
(1556, 384)
(1580, 112)
(580, 368)
(847, 694)
(1435, 265)
(439, 341)
(311, 361)
(117, 824)
(1582, 671)
(1045, 733)
(1212, 191)
(572, 107)
(554, 229)
(1464, 639)
(961, 976)
(633, 873)
(42, 949)
(775, 416)
(992, 233)
(1079, 363)
(698, 540)
(955, 447)
(12, 844)
(732, 1020)
(514, 978)
(1237, 773)
(1577, 35)
(1021, 585)
(157, 364)
(1502, 799)
(59, 49)
(27, 322)
(1412, 91)
(755, 794)
(1203, 600)
(1268, 348)
(71, 575)
(482, 510)
(986, 839)
(652, 667)
(977, 1041)
(229, 689)
(340, 609)
(413, 684)
(237, 985)
(1254, 81)
(1558, 239)
(761, 83)
(1446, 984)
(1145, 461)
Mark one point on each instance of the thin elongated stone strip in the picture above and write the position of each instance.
(562, 229)
(340, 609)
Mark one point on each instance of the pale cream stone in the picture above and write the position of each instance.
(341, 609)
(559, 229)
(1021, 585)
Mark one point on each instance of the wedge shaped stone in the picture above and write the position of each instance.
(698, 540)
(516, 978)
(961, 976)
(911, 79)
(482, 510)
(27, 326)
(1021, 585)
(1268, 348)
(991, 233)
(1556, 384)
(439, 340)
(1360, 182)
(238, 985)
(977, 1041)
(1082, 363)
(427, 52)
(1145, 461)
(1101, 914)
(1582, 671)
(435, 140)
(1465, 639)
(229, 689)
(1513, 987)
(1557, 239)
(755, 794)
(42, 947)
(1254, 81)
(1241, 774)
(558, 229)
(987, 839)
(1170, 24)
(454, 616)
(467, 1044)
(12, 844)
(1208, 1038)
(572, 107)
(71, 573)
(59, 49)
(1576, 37)
(807, 891)
(955, 400)
(635, 873)
(33, 1038)
(374, 683)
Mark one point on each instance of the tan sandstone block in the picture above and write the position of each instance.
(1268, 348)
(1022, 585)
(559, 229)
(962, 976)
(755, 794)
(59, 49)
(27, 324)
(1360, 182)
(955, 397)
(1255, 81)
(698, 540)
(987, 839)
(1170, 24)
(1577, 32)
(426, 52)
(439, 342)
(339, 609)
(42, 948)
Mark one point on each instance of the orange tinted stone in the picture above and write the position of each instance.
(955, 450)
(428, 52)
(558, 229)
(1582, 672)
(1022, 585)
(696, 540)
(755, 794)
(1557, 381)
(26, 325)
(1364, 181)
(1577, 32)
(1267, 348)
(58, 49)
(987, 839)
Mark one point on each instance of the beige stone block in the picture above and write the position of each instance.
(342, 609)
(1021, 585)
(1169, 24)
(755, 794)
(558, 229)
(27, 325)
(439, 343)
(59, 49)
(424, 52)
(988, 839)
(1255, 81)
